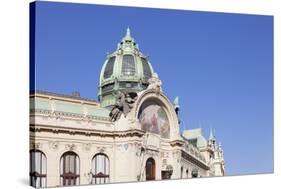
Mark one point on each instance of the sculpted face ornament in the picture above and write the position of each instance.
(124, 104)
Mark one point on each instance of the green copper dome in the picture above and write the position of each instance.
(126, 69)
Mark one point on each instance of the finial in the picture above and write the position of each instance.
(211, 136)
(128, 32)
(176, 102)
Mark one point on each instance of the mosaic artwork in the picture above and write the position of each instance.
(154, 119)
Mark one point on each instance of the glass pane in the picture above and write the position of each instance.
(72, 182)
(109, 68)
(77, 181)
(77, 165)
(37, 183)
(33, 181)
(33, 162)
(38, 162)
(44, 164)
(100, 165)
(66, 169)
(107, 167)
(71, 163)
(94, 166)
(128, 65)
(146, 69)
(44, 182)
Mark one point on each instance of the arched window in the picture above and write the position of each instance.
(150, 169)
(38, 169)
(181, 172)
(109, 67)
(128, 65)
(100, 169)
(146, 69)
(69, 169)
(186, 172)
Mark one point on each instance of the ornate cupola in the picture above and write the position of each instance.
(126, 70)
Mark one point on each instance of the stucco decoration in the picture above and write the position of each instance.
(36, 145)
(87, 146)
(53, 145)
(101, 149)
(124, 104)
(70, 147)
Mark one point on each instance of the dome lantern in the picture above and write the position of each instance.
(126, 70)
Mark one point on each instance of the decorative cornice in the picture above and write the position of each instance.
(57, 114)
(41, 92)
(194, 160)
(178, 143)
(86, 132)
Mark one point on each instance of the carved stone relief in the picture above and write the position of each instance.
(87, 147)
(101, 149)
(54, 145)
(70, 147)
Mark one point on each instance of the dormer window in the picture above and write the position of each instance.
(146, 69)
(109, 67)
(128, 65)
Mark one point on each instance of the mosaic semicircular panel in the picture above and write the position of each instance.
(153, 118)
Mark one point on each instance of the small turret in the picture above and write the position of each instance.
(212, 139)
(216, 159)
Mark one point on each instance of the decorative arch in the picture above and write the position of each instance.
(38, 169)
(69, 169)
(153, 118)
(100, 169)
(164, 103)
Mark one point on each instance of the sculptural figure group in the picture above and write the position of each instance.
(124, 103)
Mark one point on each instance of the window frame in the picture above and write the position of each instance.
(109, 67)
(66, 178)
(150, 169)
(35, 174)
(99, 175)
(127, 68)
(146, 69)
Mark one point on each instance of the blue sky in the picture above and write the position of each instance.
(220, 65)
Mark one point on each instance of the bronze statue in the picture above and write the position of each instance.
(124, 104)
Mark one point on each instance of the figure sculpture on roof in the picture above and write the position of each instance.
(155, 83)
(124, 104)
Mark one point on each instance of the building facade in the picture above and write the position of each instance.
(130, 134)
